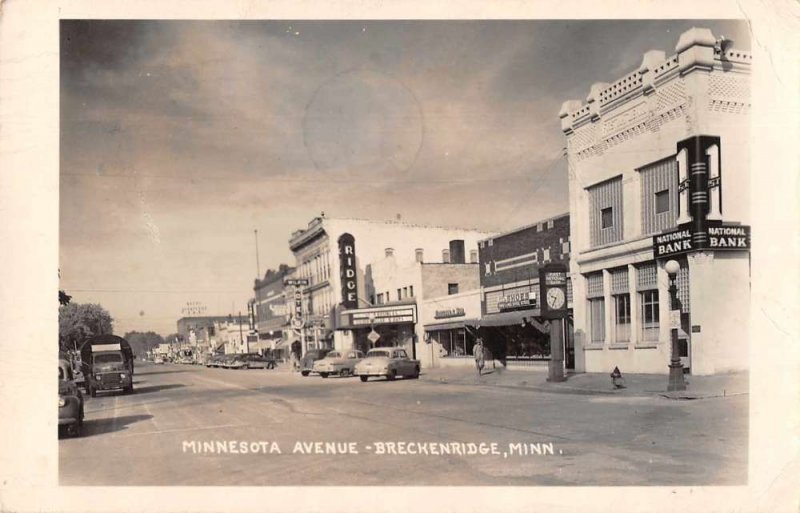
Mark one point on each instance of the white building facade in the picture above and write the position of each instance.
(660, 169)
(334, 257)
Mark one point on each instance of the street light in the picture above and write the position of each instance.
(676, 381)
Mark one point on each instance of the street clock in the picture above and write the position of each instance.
(553, 291)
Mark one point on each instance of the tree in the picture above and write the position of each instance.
(63, 298)
(78, 322)
(141, 343)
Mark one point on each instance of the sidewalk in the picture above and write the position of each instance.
(591, 383)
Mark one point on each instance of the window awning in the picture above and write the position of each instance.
(509, 318)
(451, 325)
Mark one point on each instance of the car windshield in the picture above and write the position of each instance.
(334, 354)
(379, 354)
(108, 358)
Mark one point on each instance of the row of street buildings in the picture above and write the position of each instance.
(658, 165)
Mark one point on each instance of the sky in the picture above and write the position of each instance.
(179, 139)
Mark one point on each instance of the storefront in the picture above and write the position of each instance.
(385, 326)
(450, 329)
(511, 324)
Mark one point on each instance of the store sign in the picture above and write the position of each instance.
(296, 282)
(278, 310)
(729, 238)
(398, 315)
(347, 270)
(297, 320)
(525, 299)
(448, 313)
(672, 243)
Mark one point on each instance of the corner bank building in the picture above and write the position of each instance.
(659, 170)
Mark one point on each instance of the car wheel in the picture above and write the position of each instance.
(92, 391)
(304, 373)
(323, 374)
(344, 373)
(392, 375)
(363, 378)
(416, 373)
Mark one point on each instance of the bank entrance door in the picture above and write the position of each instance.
(569, 344)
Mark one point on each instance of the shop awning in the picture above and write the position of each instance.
(452, 325)
(509, 318)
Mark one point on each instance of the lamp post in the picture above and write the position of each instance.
(676, 381)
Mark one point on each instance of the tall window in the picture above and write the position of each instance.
(605, 214)
(452, 288)
(597, 310)
(597, 307)
(623, 317)
(380, 299)
(411, 290)
(647, 287)
(622, 304)
(659, 185)
(650, 324)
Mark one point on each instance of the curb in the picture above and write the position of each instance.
(560, 389)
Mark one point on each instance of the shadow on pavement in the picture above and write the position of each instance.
(111, 424)
(142, 373)
(155, 388)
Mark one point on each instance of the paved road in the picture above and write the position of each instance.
(164, 432)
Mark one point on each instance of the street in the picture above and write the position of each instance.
(192, 425)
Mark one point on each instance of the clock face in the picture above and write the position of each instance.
(555, 298)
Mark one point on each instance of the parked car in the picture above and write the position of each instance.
(227, 361)
(391, 362)
(251, 361)
(214, 360)
(70, 401)
(311, 356)
(159, 360)
(338, 362)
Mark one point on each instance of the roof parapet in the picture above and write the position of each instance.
(650, 62)
(695, 50)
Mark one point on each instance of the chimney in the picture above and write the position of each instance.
(457, 255)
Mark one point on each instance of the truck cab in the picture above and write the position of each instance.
(109, 369)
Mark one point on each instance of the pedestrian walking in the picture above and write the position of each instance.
(479, 357)
(295, 362)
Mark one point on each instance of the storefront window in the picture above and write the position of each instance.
(454, 343)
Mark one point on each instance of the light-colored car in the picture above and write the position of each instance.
(391, 362)
(342, 363)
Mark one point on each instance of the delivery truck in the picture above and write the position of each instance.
(107, 362)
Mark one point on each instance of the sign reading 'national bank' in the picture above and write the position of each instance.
(672, 243)
(720, 238)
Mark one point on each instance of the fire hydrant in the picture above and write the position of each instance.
(617, 379)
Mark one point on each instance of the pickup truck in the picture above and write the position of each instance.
(391, 362)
